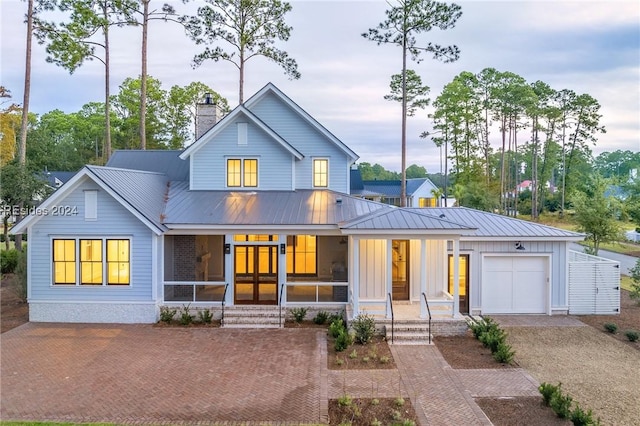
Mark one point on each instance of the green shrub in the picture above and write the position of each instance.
(493, 338)
(343, 341)
(9, 261)
(504, 354)
(547, 390)
(335, 316)
(384, 360)
(299, 314)
(345, 401)
(561, 404)
(185, 317)
(167, 314)
(632, 335)
(398, 402)
(635, 282)
(321, 317)
(579, 417)
(480, 327)
(19, 283)
(205, 316)
(611, 327)
(365, 327)
(353, 354)
(336, 327)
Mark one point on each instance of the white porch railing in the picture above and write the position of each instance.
(316, 292)
(194, 291)
(441, 307)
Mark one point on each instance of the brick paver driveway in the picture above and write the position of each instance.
(146, 374)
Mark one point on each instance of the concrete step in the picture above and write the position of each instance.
(252, 317)
(251, 326)
(408, 335)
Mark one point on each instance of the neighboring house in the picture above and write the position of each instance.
(257, 212)
(55, 179)
(420, 191)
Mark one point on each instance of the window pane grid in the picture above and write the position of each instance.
(233, 172)
(118, 262)
(301, 254)
(91, 262)
(251, 173)
(64, 261)
(320, 172)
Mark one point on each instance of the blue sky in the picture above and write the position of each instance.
(586, 46)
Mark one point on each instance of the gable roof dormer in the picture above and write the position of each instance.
(271, 89)
(228, 120)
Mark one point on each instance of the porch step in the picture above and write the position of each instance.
(252, 317)
(408, 333)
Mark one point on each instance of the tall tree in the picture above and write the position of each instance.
(72, 42)
(250, 27)
(405, 21)
(416, 93)
(9, 123)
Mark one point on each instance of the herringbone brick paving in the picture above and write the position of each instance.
(140, 374)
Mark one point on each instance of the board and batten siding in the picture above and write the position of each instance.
(209, 163)
(557, 268)
(113, 220)
(306, 139)
(373, 269)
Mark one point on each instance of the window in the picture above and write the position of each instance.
(426, 202)
(463, 271)
(118, 262)
(91, 262)
(64, 262)
(301, 255)
(242, 172)
(321, 173)
(259, 237)
(90, 205)
(85, 259)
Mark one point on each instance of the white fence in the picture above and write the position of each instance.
(594, 285)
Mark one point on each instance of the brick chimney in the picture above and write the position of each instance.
(207, 115)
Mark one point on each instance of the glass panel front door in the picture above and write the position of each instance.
(463, 290)
(400, 269)
(256, 275)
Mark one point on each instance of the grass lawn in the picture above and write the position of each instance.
(3, 248)
(625, 282)
(630, 249)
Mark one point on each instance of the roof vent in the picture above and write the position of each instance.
(442, 216)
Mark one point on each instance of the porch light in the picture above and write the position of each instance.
(283, 249)
(227, 248)
(519, 246)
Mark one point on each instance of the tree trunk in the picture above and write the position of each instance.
(106, 153)
(241, 83)
(403, 166)
(502, 157)
(143, 76)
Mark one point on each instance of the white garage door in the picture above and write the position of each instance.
(514, 285)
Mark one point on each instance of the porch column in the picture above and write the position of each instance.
(389, 275)
(228, 270)
(423, 276)
(354, 272)
(282, 270)
(456, 277)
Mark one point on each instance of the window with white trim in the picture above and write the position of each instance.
(242, 172)
(82, 261)
(320, 172)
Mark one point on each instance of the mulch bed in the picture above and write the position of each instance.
(628, 319)
(13, 311)
(375, 355)
(365, 412)
(522, 410)
(466, 352)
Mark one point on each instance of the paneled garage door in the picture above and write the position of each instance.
(514, 285)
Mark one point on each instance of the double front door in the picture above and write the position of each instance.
(256, 275)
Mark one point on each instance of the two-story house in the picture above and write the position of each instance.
(257, 213)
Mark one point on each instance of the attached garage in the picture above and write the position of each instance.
(515, 284)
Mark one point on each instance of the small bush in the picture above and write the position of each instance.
(364, 327)
(384, 360)
(376, 422)
(504, 354)
(561, 405)
(185, 317)
(632, 335)
(547, 390)
(493, 338)
(635, 282)
(205, 316)
(321, 317)
(579, 417)
(483, 326)
(345, 401)
(19, 284)
(375, 401)
(353, 354)
(611, 327)
(9, 261)
(336, 326)
(339, 361)
(398, 402)
(167, 314)
(299, 314)
(343, 341)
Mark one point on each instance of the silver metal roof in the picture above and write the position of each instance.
(495, 225)
(276, 208)
(160, 161)
(397, 219)
(143, 191)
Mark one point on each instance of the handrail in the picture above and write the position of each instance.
(224, 302)
(424, 296)
(280, 304)
(392, 318)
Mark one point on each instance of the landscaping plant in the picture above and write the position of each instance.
(561, 404)
(336, 327)
(167, 314)
(611, 327)
(205, 316)
(299, 314)
(185, 317)
(504, 354)
(635, 282)
(364, 327)
(321, 317)
(547, 390)
(632, 335)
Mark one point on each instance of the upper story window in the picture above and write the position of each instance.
(320, 172)
(427, 202)
(242, 172)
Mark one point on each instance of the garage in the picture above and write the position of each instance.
(515, 284)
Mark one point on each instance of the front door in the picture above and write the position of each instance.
(256, 275)
(463, 290)
(400, 269)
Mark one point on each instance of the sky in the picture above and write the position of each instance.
(589, 47)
